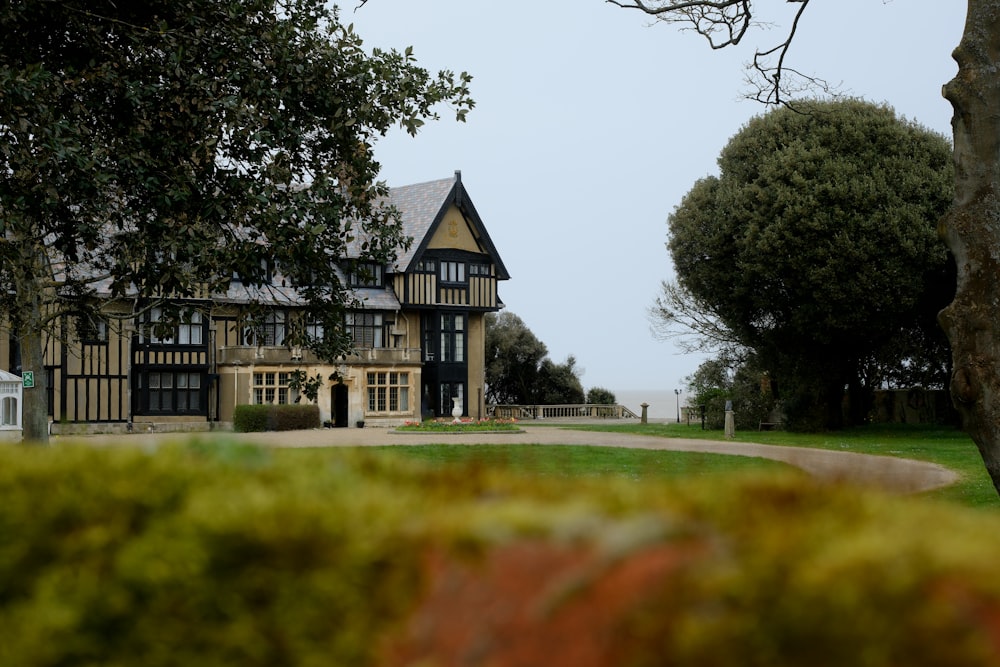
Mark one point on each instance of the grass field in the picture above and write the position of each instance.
(943, 445)
(586, 461)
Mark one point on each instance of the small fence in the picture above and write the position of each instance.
(578, 411)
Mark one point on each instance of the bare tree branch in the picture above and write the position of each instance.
(725, 23)
(678, 316)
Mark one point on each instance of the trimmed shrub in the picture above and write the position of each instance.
(250, 418)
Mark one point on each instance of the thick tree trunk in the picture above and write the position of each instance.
(36, 412)
(29, 328)
(972, 232)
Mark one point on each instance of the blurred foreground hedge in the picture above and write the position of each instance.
(214, 555)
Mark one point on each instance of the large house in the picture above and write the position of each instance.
(419, 341)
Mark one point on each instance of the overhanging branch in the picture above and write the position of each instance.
(725, 23)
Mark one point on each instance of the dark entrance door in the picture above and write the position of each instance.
(339, 402)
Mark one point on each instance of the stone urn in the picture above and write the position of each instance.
(456, 410)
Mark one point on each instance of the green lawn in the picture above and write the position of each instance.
(583, 461)
(943, 445)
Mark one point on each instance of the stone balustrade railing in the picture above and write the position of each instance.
(577, 411)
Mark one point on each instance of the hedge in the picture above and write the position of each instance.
(249, 418)
(216, 555)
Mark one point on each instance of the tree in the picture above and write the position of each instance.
(816, 244)
(518, 370)
(158, 149)
(559, 384)
(732, 376)
(513, 357)
(969, 229)
(601, 396)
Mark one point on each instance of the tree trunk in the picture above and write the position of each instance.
(972, 232)
(36, 412)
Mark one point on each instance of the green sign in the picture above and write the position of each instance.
(28, 377)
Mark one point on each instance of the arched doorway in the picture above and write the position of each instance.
(339, 403)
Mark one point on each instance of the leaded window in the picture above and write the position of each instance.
(270, 388)
(172, 392)
(388, 391)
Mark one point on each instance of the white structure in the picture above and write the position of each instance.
(11, 395)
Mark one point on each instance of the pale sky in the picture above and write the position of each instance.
(591, 124)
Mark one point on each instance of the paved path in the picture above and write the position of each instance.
(888, 473)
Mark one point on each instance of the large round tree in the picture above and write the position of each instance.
(816, 244)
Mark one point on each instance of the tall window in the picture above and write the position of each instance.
(388, 392)
(8, 411)
(365, 329)
(173, 392)
(452, 337)
(453, 272)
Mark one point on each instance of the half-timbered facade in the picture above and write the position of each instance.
(419, 340)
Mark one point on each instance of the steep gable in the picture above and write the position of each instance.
(441, 214)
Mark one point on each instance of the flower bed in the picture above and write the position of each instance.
(463, 426)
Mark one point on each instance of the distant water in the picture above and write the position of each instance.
(662, 402)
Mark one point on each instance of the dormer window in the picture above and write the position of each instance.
(367, 274)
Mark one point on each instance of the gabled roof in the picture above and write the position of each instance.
(423, 206)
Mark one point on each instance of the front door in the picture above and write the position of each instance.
(339, 403)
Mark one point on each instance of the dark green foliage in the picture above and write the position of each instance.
(299, 381)
(738, 379)
(513, 356)
(816, 247)
(518, 369)
(601, 396)
(249, 418)
(559, 384)
(164, 148)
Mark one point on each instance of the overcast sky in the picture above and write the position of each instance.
(591, 124)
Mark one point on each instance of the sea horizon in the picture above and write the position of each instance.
(663, 403)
